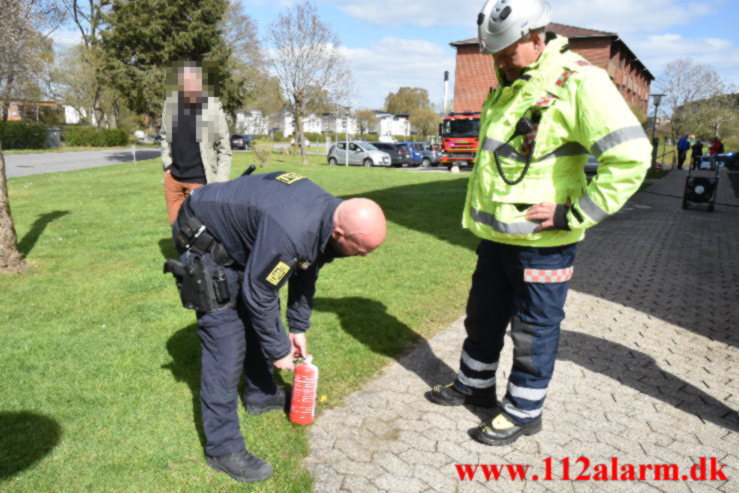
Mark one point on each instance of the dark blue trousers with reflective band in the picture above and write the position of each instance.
(229, 347)
(500, 295)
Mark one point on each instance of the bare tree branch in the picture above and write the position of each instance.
(306, 59)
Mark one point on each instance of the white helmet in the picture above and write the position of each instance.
(503, 22)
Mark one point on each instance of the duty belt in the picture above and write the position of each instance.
(193, 236)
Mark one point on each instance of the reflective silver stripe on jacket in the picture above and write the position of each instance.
(617, 137)
(523, 228)
(568, 149)
(475, 365)
(519, 413)
(476, 383)
(504, 150)
(526, 393)
(590, 208)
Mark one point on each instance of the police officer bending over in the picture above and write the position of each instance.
(239, 243)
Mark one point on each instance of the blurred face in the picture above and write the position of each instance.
(513, 59)
(191, 83)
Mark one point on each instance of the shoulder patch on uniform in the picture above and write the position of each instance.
(564, 78)
(276, 272)
(289, 178)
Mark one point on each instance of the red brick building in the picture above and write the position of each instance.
(475, 74)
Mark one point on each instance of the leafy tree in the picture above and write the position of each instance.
(366, 120)
(407, 100)
(143, 38)
(312, 72)
(425, 121)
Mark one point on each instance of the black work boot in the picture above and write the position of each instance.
(449, 395)
(275, 401)
(500, 430)
(242, 466)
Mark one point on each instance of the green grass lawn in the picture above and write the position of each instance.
(99, 362)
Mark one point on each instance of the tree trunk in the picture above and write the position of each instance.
(116, 115)
(298, 123)
(10, 258)
(97, 111)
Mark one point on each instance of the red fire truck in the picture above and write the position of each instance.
(459, 134)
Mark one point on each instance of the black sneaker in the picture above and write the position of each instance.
(500, 430)
(242, 466)
(273, 402)
(449, 395)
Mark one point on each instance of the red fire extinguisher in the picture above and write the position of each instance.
(305, 385)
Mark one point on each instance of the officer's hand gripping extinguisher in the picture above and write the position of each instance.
(305, 385)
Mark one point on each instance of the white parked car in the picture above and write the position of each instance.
(357, 152)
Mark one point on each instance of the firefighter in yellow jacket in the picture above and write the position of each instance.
(530, 203)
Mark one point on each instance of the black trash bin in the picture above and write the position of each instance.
(53, 138)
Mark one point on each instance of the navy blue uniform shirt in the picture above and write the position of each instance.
(277, 226)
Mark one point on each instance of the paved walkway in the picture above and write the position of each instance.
(646, 372)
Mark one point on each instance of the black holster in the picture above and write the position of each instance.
(199, 289)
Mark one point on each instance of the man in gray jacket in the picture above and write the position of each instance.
(195, 139)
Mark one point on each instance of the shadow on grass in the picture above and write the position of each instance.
(39, 225)
(25, 438)
(167, 248)
(369, 323)
(433, 208)
(642, 373)
(184, 347)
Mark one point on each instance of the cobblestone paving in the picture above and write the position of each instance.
(646, 372)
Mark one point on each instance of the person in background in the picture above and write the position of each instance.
(716, 148)
(682, 151)
(195, 138)
(696, 154)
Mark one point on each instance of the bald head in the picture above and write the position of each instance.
(359, 227)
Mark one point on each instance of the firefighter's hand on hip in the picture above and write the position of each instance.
(299, 343)
(543, 213)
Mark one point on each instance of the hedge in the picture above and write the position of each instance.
(22, 135)
(92, 137)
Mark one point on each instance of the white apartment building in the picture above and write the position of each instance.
(389, 124)
(252, 122)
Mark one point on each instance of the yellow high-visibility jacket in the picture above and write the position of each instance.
(580, 112)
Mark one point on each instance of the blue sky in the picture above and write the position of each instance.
(394, 43)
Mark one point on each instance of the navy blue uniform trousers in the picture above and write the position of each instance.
(501, 293)
(229, 347)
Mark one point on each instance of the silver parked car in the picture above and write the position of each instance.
(359, 152)
(430, 155)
